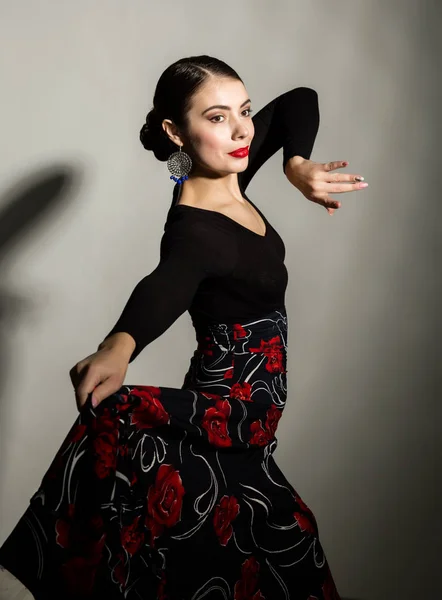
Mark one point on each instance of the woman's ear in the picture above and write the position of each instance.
(172, 132)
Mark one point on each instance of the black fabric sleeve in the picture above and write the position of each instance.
(290, 121)
(190, 252)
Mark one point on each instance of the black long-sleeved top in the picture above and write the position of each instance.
(211, 265)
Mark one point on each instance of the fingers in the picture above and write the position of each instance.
(341, 177)
(74, 374)
(328, 203)
(342, 189)
(335, 164)
(106, 389)
(82, 392)
(99, 389)
(331, 205)
(86, 380)
(336, 184)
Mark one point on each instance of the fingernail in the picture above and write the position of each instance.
(363, 185)
(94, 402)
(359, 178)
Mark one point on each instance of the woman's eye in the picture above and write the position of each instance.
(248, 110)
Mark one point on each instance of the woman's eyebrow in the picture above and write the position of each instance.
(223, 106)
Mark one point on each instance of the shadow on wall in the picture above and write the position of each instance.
(24, 209)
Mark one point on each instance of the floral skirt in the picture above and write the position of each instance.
(166, 493)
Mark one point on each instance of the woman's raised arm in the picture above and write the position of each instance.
(290, 122)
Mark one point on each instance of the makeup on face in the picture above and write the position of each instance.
(240, 153)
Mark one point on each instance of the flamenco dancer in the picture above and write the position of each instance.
(173, 493)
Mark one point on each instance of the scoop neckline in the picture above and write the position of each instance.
(266, 223)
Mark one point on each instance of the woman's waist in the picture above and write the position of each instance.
(240, 330)
(246, 360)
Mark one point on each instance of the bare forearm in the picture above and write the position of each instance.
(121, 341)
(293, 163)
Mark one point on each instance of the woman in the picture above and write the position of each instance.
(171, 493)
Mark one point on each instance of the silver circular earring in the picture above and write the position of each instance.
(179, 164)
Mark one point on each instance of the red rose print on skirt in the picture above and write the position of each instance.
(261, 436)
(150, 412)
(105, 443)
(273, 349)
(273, 416)
(76, 533)
(215, 423)
(239, 332)
(229, 373)
(164, 501)
(206, 346)
(225, 512)
(245, 588)
(131, 537)
(241, 391)
(306, 522)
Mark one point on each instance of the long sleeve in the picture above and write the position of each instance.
(190, 252)
(290, 121)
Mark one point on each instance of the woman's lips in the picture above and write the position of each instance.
(240, 153)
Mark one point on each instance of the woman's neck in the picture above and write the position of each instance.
(198, 189)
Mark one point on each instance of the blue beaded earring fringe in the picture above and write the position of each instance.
(179, 180)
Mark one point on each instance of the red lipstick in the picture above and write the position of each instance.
(240, 153)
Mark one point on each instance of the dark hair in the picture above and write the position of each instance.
(173, 94)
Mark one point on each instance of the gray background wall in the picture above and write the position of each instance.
(82, 208)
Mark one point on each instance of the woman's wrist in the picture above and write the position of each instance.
(293, 163)
(121, 341)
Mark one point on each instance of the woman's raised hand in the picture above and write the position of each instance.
(104, 371)
(316, 181)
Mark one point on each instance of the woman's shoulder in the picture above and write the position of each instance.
(196, 221)
(201, 238)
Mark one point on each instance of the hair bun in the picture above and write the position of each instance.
(154, 138)
(153, 118)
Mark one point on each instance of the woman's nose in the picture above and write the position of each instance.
(241, 132)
